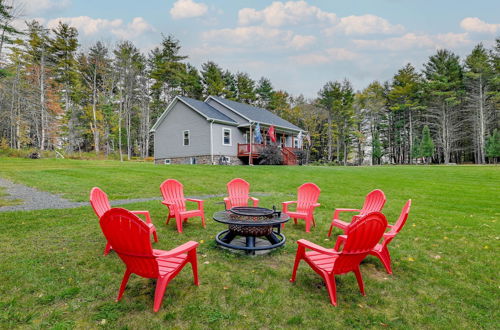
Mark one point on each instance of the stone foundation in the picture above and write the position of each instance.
(205, 160)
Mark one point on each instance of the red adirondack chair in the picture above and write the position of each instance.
(100, 203)
(380, 250)
(173, 197)
(129, 237)
(238, 191)
(374, 202)
(307, 200)
(362, 236)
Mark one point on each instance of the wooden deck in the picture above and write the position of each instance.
(289, 157)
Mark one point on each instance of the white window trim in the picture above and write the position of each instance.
(189, 137)
(230, 136)
(167, 161)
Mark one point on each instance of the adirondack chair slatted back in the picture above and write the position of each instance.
(362, 236)
(396, 228)
(173, 192)
(374, 202)
(238, 191)
(129, 237)
(99, 201)
(307, 195)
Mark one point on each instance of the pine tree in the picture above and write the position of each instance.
(405, 96)
(246, 88)
(264, 92)
(213, 79)
(427, 145)
(493, 146)
(230, 89)
(377, 152)
(8, 32)
(444, 85)
(416, 151)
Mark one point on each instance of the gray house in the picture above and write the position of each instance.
(218, 131)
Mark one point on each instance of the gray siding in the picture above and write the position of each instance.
(237, 118)
(168, 140)
(236, 137)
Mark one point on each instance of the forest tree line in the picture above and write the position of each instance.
(56, 96)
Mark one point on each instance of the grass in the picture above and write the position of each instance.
(445, 260)
(7, 201)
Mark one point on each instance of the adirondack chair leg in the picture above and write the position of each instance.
(193, 259)
(299, 255)
(359, 278)
(178, 221)
(161, 285)
(203, 220)
(107, 248)
(308, 226)
(155, 236)
(330, 231)
(385, 257)
(295, 220)
(331, 287)
(126, 276)
(314, 222)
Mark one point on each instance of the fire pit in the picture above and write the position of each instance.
(251, 222)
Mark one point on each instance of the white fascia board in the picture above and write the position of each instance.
(276, 126)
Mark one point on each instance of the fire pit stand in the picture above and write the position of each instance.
(251, 222)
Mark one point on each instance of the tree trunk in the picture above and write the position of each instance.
(95, 128)
(481, 125)
(410, 137)
(330, 136)
(42, 100)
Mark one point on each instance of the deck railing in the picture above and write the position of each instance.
(289, 157)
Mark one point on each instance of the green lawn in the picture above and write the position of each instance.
(53, 274)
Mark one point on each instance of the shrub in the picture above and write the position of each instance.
(271, 155)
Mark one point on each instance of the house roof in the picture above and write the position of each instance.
(251, 113)
(206, 110)
(256, 114)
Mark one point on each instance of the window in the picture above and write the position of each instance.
(226, 136)
(296, 143)
(168, 161)
(185, 135)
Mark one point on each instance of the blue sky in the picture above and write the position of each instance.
(299, 45)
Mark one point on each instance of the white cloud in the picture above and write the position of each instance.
(92, 26)
(365, 24)
(259, 37)
(285, 13)
(137, 27)
(326, 56)
(87, 25)
(412, 41)
(474, 24)
(300, 41)
(187, 9)
(37, 7)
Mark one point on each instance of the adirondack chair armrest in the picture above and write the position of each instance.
(389, 235)
(340, 240)
(144, 213)
(337, 211)
(186, 247)
(199, 201)
(316, 247)
(254, 200)
(284, 205)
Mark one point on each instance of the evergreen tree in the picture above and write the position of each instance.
(427, 145)
(377, 152)
(406, 96)
(416, 151)
(264, 92)
(493, 146)
(191, 84)
(230, 89)
(444, 84)
(213, 79)
(246, 88)
(8, 32)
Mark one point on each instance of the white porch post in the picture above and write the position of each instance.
(211, 143)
